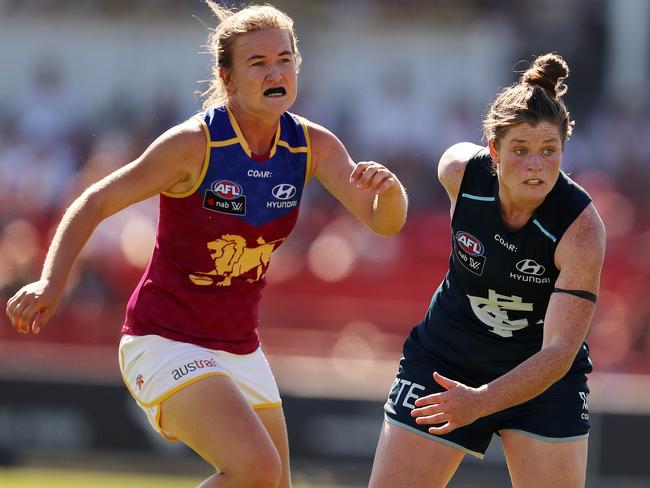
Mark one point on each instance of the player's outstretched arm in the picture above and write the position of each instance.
(369, 190)
(172, 163)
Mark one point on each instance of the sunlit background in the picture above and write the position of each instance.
(86, 85)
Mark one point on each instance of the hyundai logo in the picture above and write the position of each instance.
(285, 191)
(530, 267)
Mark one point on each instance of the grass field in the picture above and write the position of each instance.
(63, 478)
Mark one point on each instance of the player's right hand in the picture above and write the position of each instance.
(32, 306)
(372, 176)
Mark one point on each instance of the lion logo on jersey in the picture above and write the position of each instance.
(232, 258)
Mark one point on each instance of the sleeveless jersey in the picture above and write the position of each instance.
(214, 243)
(487, 315)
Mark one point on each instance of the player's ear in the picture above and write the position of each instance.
(226, 78)
(494, 152)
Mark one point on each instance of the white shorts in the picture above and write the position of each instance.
(154, 368)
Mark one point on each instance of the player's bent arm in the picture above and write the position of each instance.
(567, 317)
(372, 193)
(579, 257)
(565, 325)
(451, 167)
(172, 163)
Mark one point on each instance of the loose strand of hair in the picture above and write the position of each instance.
(221, 12)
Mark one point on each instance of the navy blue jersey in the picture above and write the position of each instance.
(487, 316)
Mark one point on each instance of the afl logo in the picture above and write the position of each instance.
(284, 191)
(228, 190)
(530, 267)
(470, 244)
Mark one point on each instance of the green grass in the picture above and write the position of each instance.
(57, 478)
(63, 478)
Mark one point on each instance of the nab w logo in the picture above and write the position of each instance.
(225, 196)
(284, 191)
(530, 267)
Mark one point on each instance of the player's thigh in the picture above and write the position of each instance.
(405, 459)
(213, 418)
(275, 425)
(535, 463)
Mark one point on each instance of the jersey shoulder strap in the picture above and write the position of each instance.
(561, 207)
(479, 178)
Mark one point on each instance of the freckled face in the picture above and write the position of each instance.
(263, 78)
(528, 162)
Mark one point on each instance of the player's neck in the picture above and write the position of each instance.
(259, 132)
(516, 213)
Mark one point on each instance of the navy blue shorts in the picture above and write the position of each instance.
(560, 414)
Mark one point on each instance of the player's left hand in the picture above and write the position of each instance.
(458, 406)
(373, 177)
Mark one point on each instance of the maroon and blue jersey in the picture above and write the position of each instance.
(214, 242)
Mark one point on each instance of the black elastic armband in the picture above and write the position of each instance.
(587, 295)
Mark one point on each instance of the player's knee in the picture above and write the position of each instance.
(263, 470)
(267, 469)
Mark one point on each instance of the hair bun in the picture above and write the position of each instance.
(548, 71)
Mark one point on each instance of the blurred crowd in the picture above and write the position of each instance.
(49, 154)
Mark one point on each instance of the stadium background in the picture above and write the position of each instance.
(85, 85)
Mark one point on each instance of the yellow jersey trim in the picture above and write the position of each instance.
(299, 149)
(275, 141)
(161, 431)
(242, 140)
(309, 170)
(204, 169)
(262, 406)
(227, 142)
